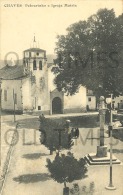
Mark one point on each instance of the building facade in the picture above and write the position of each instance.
(91, 100)
(30, 88)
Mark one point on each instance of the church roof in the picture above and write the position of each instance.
(12, 72)
(35, 49)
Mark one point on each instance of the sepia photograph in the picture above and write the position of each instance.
(61, 97)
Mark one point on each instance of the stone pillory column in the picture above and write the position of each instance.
(102, 149)
(101, 157)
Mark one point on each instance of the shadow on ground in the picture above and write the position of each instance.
(34, 156)
(29, 123)
(117, 151)
(117, 134)
(89, 121)
(32, 178)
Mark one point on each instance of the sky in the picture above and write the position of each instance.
(19, 24)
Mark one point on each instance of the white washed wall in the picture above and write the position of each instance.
(76, 102)
(92, 103)
(26, 94)
(9, 85)
(118, 100)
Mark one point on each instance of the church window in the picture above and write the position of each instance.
(15, 98)
(37, 54)
(40, 65)
(39, 107)
(27, 62)
(89, 99)
(5, 95)
(34, 65)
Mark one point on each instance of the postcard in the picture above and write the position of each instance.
(61, 97)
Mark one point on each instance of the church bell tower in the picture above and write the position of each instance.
(35, 65)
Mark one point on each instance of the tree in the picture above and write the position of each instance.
(52, 138)
(65, 169)
(66, 140)
(91, 55)
(48, 136)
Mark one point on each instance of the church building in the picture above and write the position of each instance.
(29, 88)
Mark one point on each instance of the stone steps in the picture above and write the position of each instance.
(91, 159)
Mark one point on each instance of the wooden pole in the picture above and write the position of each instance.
(0, 120)
(111, 186)
(14, 104)
(111, 179)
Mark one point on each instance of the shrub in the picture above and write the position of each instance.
(66, 168)
(53, 139)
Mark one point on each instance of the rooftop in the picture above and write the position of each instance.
(11, 72)
(35, 49)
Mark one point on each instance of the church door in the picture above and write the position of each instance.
(56, 106)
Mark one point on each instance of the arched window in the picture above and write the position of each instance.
(40, 65)
(34, 65)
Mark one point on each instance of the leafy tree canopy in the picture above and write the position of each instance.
(66, 168)
(91, 55)
(48, 128)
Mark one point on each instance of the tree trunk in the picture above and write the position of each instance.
(51, 152)
(66, 189)
(65, 184)
(57, 153)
